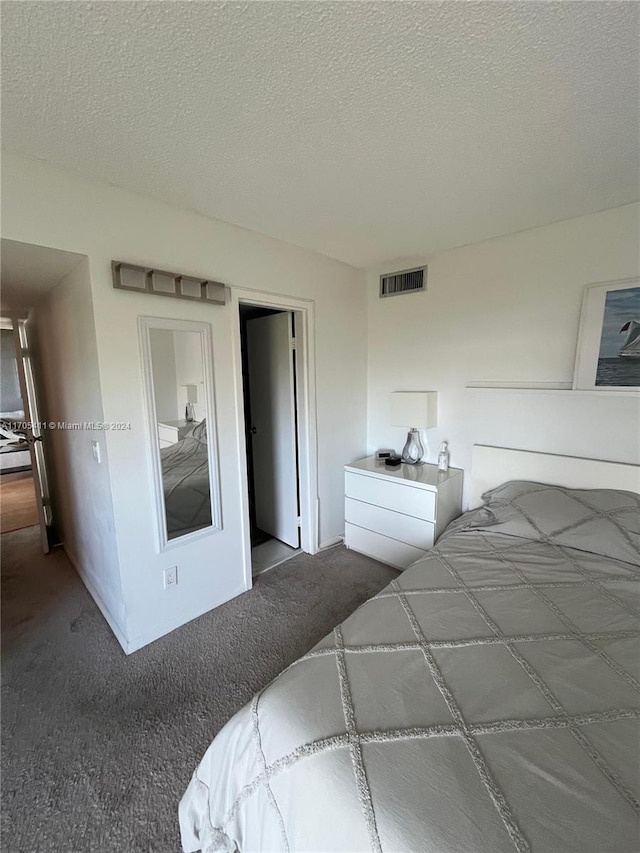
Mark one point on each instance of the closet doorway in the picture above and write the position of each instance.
(270, 396)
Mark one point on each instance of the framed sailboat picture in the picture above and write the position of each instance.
(608, 353)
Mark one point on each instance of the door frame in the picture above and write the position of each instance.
(22, 338)
(304, 314)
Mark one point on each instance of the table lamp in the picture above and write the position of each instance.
(192, 399)
(416, 410)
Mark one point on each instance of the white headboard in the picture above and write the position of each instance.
(491, 466)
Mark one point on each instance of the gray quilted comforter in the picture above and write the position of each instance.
(185, 481)
(487, 700)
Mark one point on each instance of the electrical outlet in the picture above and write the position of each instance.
(170, 577)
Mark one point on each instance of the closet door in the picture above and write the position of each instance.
(270, 354)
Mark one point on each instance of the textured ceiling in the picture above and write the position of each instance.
(369, 131)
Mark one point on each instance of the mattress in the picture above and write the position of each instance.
(185, 480)
(487, 700)
(14, 450)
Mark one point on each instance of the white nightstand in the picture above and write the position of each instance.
(169, 432)
(396, 514)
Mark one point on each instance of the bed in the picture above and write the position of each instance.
(487, 700)
(14, 449)
(185, 480)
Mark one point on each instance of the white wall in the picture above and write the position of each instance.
(165, 382)
(505, 310)
(189, 371)
(49, 207)
(67, 364)
(176, 358)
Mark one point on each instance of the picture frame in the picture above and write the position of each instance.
(608, 350)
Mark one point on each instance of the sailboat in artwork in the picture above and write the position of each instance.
(631, 347)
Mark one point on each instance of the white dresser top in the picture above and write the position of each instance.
(424, 476)
(178, 424)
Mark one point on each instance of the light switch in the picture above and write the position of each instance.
(95, 449)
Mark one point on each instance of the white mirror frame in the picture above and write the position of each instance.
(145, 324)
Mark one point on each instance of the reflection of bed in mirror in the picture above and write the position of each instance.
(14, 450)
(177, 369)
(185, 477)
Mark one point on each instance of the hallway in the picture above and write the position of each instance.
(18, 507)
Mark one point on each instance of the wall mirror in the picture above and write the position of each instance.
(177, 367)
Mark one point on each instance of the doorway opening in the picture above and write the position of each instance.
(23, 484)
(270, 395)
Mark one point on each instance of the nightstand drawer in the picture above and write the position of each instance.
(405, 528)
(382, 548)
(399, 497)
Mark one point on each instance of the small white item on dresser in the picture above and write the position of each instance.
(396, 514)
(443, 457)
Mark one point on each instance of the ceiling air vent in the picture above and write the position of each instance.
(405, 281)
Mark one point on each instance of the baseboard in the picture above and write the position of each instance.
(331, 543)
(181, 619)
(130, 646)
(93, 592)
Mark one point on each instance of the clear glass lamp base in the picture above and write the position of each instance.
(413, 451)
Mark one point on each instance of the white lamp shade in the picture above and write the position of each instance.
(418, 409)
(192, 393)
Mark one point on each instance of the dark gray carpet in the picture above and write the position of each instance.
(98, 747)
